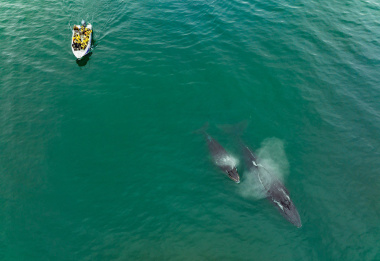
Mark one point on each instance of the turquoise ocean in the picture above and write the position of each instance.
(99, 159)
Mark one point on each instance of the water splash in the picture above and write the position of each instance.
(272, 157)
(273, 164)
(227, 161)
(251, 186)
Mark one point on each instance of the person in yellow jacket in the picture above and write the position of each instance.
(77, 39)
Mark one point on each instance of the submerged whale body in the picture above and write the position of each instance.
(221, 157)
(275, 191)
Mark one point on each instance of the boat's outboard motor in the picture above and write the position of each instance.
(83, 23)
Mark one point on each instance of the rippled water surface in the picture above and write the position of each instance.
(99, 159)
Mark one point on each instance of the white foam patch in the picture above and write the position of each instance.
(272, 157)
(227, 161)
(251, 186)
(273, 165)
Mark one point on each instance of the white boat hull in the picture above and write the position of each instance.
(79, 54)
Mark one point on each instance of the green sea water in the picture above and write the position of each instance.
(99, 159)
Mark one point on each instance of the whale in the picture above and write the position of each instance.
(221, 158)
(274, 189)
